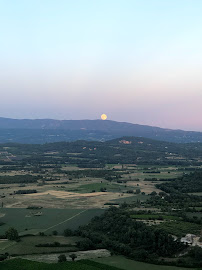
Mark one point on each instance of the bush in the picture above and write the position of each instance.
(12, 234)
(62, 258)
(3, 257)
(68, 232)
(85, 244)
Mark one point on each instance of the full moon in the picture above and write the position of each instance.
(103, 116)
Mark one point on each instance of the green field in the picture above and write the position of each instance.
(110, 187)
(27, 245)
(5, 245)
(162, 175)
(180, 228)
(51, 219)
(19, 264)
(131, 199)
(197, 215)
(148, 216)
(126, 264)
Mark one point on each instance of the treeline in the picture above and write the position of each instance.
(27, 191)
(108, 174)
(11, 168)
(188, 183)
(19, 179)
(160, 179)
(55, 244)
(174, 201)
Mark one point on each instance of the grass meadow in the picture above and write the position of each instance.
(127, 264)
(26, 222)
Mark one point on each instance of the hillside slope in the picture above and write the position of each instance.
(48, 130)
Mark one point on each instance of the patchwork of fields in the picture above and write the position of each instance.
(45, 195)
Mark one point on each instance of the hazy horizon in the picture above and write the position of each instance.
(136, 61)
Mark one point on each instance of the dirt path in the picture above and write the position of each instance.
(11, 205)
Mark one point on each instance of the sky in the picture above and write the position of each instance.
(137, 61)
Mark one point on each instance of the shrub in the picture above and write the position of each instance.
(12, 234)
(62, 258)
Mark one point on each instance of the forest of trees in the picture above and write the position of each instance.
(19, 179)
(188, 183)
(118, 232)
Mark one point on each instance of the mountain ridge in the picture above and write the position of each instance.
(41, 131)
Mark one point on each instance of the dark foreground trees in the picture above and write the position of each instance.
(117, 231)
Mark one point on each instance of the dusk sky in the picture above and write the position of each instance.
(137, 61)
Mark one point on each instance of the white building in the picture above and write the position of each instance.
(191, 240)
(188, 239)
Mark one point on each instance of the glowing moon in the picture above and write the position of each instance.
(103, 116)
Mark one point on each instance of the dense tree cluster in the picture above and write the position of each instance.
(18, 179)
(26, 191)
(117, 231)
(188, 183)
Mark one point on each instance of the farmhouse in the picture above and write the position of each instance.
(192, 240)
(188, 239)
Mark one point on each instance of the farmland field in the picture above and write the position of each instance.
(52, 257)
(155, 217)
(97, 186)
(127, 264)
(19, 264)
(180, 228)
(131, 199)
(47, 189)
(26, 222)
(27, 245)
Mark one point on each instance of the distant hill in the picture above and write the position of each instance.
(96, 154)
(49, 130)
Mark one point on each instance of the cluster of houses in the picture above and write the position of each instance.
(125, 142)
